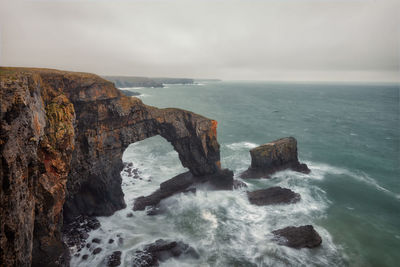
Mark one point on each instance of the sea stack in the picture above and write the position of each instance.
(275, 156)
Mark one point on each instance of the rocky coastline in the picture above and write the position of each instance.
(62, 137)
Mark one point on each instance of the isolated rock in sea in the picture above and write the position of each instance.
(275, 156)
(61, 143)
(273, 195)
(162, 250)
(298, 237)
(222, 179)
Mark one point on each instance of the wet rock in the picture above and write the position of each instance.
(190, 190)
(75, 233)
(110, 241)
(96, 240)
(88, 245)
(237, 184)
(154, 210)
(129, 215)
(162, 250)
(114, 259)
(85, 257)
(298, 237)
(77, 255)
(222, 179)
(97, 251)
(273, 195)
(120, 241)
(278, 155)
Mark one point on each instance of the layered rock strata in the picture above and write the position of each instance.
(62, 138)
(278, 155)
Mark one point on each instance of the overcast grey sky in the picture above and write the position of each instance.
(253, 39)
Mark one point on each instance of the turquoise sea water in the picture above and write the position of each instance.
(348, 134)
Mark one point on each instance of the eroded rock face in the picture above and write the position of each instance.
(273, 195)
(275, 156)
(298, 237)
(62, 139)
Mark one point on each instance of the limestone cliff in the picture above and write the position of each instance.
(62, 138)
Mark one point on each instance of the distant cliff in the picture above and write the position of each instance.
(62, 137)
(128, 81)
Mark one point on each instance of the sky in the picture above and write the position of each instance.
(277, 40)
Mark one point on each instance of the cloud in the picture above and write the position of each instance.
(306, 40)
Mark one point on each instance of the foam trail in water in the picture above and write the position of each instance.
(319, 170)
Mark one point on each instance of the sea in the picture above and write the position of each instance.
(348, 135)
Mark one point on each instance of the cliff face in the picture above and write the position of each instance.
(62, 139)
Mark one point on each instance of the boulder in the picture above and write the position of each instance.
(162, 250)
(97, 251)
(272, 157)
(298, 237)
(273, 195)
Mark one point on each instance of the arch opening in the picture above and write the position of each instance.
(147, 164)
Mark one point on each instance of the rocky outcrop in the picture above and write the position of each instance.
(298, 237)
(62, 139)
(162, 250)
(272, 157)
(222, 179)
(273, 195)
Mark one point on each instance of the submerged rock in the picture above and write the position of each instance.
(273, 195)
(97, 251)
(275, 156)
(162, 250)
(114, 259)
(298, 237)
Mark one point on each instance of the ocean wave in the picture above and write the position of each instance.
(241, 145)
(222, 226)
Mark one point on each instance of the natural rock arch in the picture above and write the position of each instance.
(94, 182)
(62, 139)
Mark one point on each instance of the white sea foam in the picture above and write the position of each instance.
(241, 145)
(222, 226)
